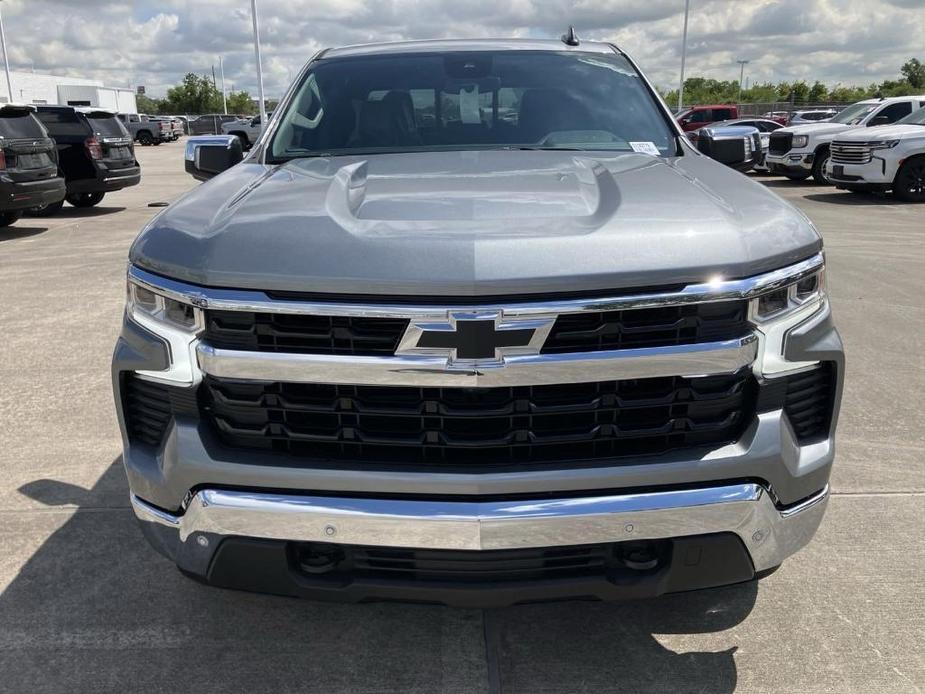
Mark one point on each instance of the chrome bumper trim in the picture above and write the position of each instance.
(251, 300)
(543, 369)
(769, 534)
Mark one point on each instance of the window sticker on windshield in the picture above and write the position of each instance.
(645, 148)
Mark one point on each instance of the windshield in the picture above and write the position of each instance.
(471, 100)
(914, 118)
(853, 114)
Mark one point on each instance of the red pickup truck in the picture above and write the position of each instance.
(695, 117)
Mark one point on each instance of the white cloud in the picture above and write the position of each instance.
(155, 42)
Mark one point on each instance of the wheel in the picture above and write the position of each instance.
(145, 138)
(84, 199)
(10, 216)
(822, 158)
(48, 210)
(797, 177)
(910, 181)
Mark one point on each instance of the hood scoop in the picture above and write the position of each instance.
(577, 193)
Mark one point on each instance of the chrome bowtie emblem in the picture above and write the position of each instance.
(471, 338)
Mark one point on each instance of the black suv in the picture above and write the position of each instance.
(28, 164)
(96, 154)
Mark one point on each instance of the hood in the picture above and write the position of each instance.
(816, 128)
(474, 223)
(884, 132)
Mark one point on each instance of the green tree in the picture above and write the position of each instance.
(241, 102)
(196, 94)
(148, 105)
(914, 72)
(818, 93)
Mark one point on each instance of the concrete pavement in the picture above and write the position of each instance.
(86, 606)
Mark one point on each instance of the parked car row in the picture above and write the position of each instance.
(875, 145)
(50, 154)
(832, 151)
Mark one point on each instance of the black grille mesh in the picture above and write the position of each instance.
(487, 426)
(780, 143)
(578, 332)
(654, 327)
(808, 403)
(303, 334)
(149, 407)
(147, 410)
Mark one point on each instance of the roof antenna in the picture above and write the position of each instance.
(570, 38)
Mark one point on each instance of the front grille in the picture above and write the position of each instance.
(481, 427)
(654, 327)
(850, 152)
(574, 332)
(465, 566)
(780, 143)
(303, 334)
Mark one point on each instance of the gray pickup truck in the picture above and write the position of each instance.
(474, 323)
(146, 130)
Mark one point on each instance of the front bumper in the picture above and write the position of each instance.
(21, 195)
(873, 176)
(200, 539)
(106, 181)
(790, 162)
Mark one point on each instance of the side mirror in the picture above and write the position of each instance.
(878, 120)
(736, 146)
(209, 155)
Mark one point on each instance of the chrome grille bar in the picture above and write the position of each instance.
(423, 371)
(850, 152)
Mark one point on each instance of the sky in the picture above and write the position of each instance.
(155, 42)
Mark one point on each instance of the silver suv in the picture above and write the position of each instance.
(474, 323)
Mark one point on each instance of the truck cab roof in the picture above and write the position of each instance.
(462, 45)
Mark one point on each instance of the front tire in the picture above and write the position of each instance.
(909, 185)
(84, 199)
(797, 177)
(822, 158)
(145, 138)
(9, 216)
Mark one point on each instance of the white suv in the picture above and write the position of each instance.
(888, 158)
(798, 152)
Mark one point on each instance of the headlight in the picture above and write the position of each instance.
(778, 302)
(775, 312)
(800, 141)
(887, 144)
(157, 307)
(178, 323)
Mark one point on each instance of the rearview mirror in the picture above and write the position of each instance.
(735, 146)
(209, 155)
(878, 120)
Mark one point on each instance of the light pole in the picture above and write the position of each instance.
(263, 105)
(221, 70)
(687, 11)
(742, 64)
(6, 62)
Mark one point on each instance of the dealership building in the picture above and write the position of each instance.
(40, 88)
